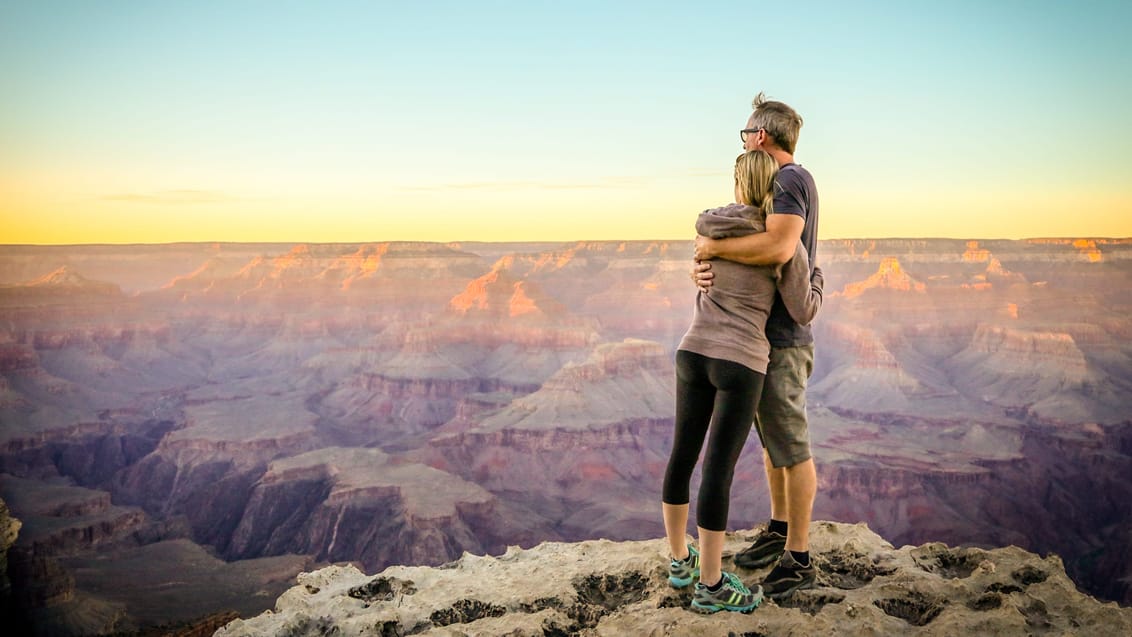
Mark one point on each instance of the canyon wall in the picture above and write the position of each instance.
(406, 402)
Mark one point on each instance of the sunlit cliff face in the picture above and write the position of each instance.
(890, 276)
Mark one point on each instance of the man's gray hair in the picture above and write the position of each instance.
(781, 122)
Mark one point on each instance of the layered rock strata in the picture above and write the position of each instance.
(349, 504)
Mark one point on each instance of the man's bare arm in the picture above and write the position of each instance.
(773, 247)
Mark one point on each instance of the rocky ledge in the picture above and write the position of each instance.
(865, 587)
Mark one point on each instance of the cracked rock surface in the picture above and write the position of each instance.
(600, 588)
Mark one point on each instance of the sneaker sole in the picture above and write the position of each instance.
(715, 608)
(790, 591)
(765, 561)
(677, 582)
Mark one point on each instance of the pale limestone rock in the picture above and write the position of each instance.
(603, 588)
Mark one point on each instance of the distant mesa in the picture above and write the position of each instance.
(994, 266)
(995, 273)
(299, 263)
(526, 264)
(890, 275)
(363, 264)
(365, 506)
(1044, 370)
(1088, 248)
(361, 474)
(211, 270)
(580, 260)
(1019, 350)
(374, 272)
(498, 293)
(619, 382)
(61, 276)
(61, 284)
(65, 277)
(975, 254)
(867, 375)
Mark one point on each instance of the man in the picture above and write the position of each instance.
(781, 417)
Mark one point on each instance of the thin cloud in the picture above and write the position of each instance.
(501, 186)
(173, 197)
(600, 184)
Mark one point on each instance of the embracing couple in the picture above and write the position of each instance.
(745, 361)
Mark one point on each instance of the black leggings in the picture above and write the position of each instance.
(720, 395)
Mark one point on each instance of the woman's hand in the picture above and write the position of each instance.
(701, 270)
(702, 275)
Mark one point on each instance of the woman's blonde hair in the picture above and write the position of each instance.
(754, 180)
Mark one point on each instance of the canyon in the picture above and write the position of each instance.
(235, 413)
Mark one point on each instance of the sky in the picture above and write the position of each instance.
(331, 121)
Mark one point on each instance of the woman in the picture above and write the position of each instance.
(720, 366)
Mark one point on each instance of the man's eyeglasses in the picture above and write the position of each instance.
(747, 131)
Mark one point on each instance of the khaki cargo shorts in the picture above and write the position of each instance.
(781, 416)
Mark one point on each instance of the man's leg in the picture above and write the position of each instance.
(801, 488)
(781, 425)
(791, 475)
(784, 432)
(776, 483)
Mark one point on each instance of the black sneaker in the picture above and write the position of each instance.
(768, 547)
(788, 576)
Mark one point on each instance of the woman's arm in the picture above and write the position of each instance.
(801, 294)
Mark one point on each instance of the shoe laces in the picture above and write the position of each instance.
(736, 583)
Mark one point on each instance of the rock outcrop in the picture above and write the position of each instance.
(9, 531)
(62, 285)
(865, 587)
(350, 504)
(602, 423)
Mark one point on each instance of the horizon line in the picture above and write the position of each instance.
(542, 241)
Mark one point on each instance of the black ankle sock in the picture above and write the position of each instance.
(801, 557)
(777, 526)
(715, 587)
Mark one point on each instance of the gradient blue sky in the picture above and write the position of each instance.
(370, 121)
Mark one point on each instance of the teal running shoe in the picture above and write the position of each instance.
(683, 572)
(733, 596)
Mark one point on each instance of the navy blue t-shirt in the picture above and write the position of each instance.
(794, 194)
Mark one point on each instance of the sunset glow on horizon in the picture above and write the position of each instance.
(126, 122)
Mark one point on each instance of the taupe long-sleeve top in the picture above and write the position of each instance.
(729, 323)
